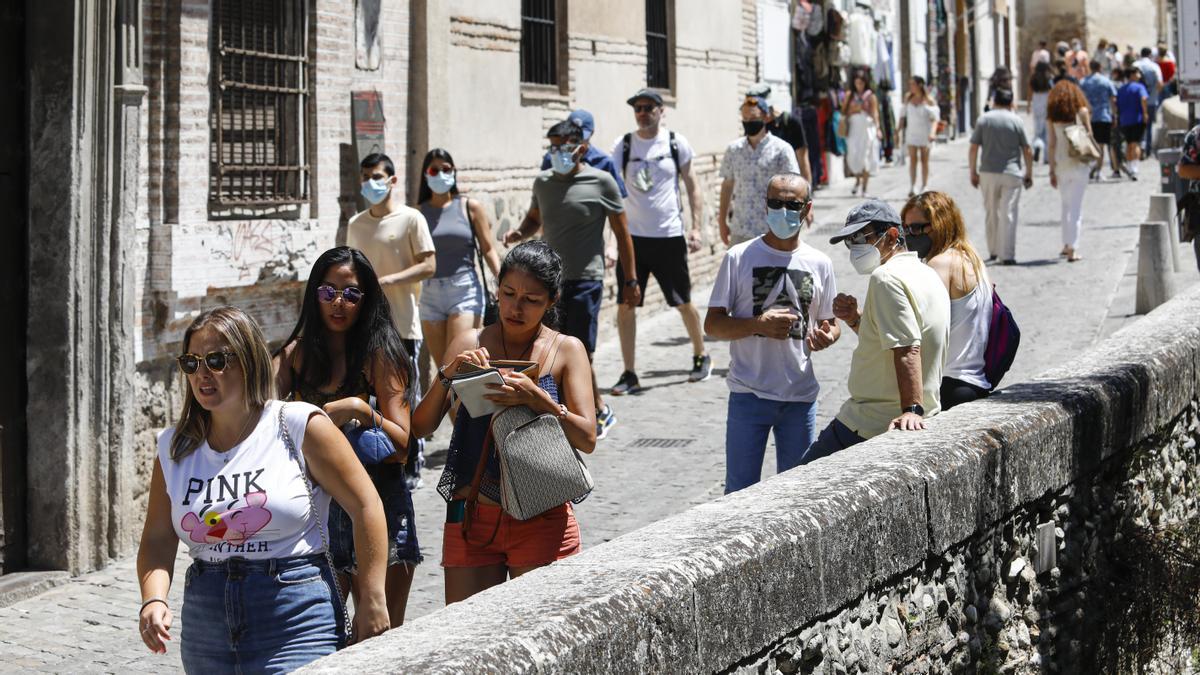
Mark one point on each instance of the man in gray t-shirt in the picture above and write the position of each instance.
(998, 174)
(571, 202)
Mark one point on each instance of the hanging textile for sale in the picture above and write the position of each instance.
(808, 117)
(802, 16)
(884, 71)
(861, 36)
(803, 71)
(887, 123)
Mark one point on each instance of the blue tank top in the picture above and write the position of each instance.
(465, 445)
(453, 243)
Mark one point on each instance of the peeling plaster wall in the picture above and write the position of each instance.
(984, 543)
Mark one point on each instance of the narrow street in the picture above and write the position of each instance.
(665, 453)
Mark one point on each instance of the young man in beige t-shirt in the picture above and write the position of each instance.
(396, 239)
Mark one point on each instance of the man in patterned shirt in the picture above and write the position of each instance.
(748, 166)
(1189, 169)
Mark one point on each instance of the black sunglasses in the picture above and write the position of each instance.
(916, 227)
(215, 361)
(644, 108)
(794, 205)
(351, 294)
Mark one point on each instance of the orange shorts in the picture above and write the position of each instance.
(541, 540)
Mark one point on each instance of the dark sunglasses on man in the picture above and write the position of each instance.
(215, 361)
(794, 205)
(327, 294)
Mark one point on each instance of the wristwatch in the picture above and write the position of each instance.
(915, 408)
(630, 283)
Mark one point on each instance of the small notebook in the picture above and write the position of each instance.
(471, 384)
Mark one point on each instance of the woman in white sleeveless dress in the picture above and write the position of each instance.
(861, 110)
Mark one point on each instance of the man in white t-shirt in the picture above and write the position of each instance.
(903, 332)
(773, 297)
(654, 162)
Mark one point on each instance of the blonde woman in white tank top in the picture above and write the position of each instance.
(934, 228)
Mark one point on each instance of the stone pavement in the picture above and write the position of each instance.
(666, 452)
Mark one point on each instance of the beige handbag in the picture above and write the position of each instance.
(1081, 147)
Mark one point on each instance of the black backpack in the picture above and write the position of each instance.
(627, 147)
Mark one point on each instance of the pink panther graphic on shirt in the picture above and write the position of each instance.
(234, 525)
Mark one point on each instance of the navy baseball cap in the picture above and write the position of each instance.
(871, 212)
(584, 120)
(646, 93)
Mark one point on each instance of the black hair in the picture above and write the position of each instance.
(1003, 97)
(1146, 51)
(375, 159)
(567, 129)
(1094, 66)
(424, 194)
(543, 263)
(373, 334)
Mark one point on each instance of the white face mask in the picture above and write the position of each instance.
(864, 257)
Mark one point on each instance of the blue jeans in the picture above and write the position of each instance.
(259, 616)
(403, 549)
(836, 436)
(750, 420)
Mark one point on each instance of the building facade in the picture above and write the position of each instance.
(169, 156)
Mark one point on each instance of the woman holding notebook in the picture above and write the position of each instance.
(489, 546)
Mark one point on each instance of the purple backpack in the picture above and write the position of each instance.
(1004, 336)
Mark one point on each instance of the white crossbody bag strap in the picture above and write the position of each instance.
(312, 506)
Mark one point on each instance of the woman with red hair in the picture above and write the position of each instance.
(1067, 106)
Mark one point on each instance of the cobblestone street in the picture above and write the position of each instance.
(666, 452)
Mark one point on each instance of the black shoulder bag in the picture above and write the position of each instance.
(491, 309)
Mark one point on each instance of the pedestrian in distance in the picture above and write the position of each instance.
(1077, 60)
(1068, 107)
(1040, 83)
(493, 546)
(1133, 112)
(773, 298)
(903, 330)
(346, 357)
(245, 482)
(747, 167)
(1101, 96)
(934, 229)
(1116, 146)
(396, 239)
(656, 162)
(918, 120)
(1152, 80)
(571, 203)
(787, 126)
(998, 150)
(1001, 79)
(861, 110)
(452, 300)
(1040, 55)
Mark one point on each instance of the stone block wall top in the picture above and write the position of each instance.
(702, 587)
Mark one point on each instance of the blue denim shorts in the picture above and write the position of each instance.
(442, 297)
(389, 480)
(259, 616)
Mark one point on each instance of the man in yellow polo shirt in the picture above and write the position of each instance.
(903, 330)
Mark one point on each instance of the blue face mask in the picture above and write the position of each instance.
(441, 182)
(562, 162)
(375, 190)
(784, 223)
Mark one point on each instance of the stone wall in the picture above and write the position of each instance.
(1025, 532)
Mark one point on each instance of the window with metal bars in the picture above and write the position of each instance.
(539, 42)
(658, 45)
(259, 155)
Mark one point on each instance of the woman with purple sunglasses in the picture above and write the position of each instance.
(345, 356)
